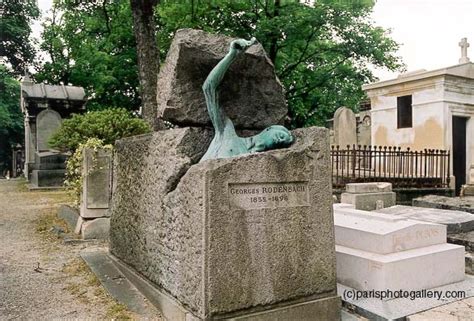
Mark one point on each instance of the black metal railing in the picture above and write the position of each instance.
(403, 168)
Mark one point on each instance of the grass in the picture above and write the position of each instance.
(117, 311)
(86, 287)
(76, 276)
(48, 220)
(22, 185)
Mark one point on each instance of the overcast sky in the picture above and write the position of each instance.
(428, 30)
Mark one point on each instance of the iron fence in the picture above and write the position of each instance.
(403, 168)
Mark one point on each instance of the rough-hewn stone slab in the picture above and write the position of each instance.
(178, 226)
(97, 228)
(69, 215)
(250, 94)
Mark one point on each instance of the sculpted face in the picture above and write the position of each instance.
(275, 136)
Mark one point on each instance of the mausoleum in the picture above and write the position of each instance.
(44, 107)
(428, 110)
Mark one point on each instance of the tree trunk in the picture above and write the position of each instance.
(276, 35)
(148, 57)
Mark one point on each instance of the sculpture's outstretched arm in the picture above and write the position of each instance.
(213, 80)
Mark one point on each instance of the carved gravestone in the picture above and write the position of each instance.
(47, 122)
(96, 193)
(251, 94)
(248, 237)
(96, 183)
(252, 232)
(345, 127)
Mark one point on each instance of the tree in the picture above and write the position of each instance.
(321, 52)
(16, 47)
(91, 44)
(107, 125)
(11, 118)
(147, 54)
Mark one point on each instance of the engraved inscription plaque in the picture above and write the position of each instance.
(249, 196)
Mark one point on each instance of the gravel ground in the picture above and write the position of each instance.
(42, 278)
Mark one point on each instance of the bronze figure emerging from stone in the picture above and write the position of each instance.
(226, 143)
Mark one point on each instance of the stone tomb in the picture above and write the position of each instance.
(369, 196)
(378, 251)
(94, 219)
(50, 169)
(247, 238)
(44, 107)
(345, 127)
(455, 221)
(50, 166)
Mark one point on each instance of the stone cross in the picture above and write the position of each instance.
(464, 45)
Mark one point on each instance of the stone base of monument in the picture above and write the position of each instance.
(96, 228)
(323, 309)
(378, 251)
(369, 196)
(244, 238)
(48, 170)
(48, 177)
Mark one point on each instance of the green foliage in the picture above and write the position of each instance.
(15, 45)
(91, 44)
(107, 125)
(11, 118)
(74, 171)
(321, 52)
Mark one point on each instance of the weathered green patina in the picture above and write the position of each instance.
(226, 143)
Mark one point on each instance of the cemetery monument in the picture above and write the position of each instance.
(345, 128)
(44, 107)
(226, 142)
(249, 237)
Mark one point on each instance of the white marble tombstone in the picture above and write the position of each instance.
(47, 122)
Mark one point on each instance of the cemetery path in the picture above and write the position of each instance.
(42, 278)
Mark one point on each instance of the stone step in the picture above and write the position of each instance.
(48, 178)
(117, 284)
(464, 239)
(382, 233)
(417, 269)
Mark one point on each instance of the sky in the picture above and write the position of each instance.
(428, 31)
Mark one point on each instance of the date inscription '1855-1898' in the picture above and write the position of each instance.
(268, 195)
